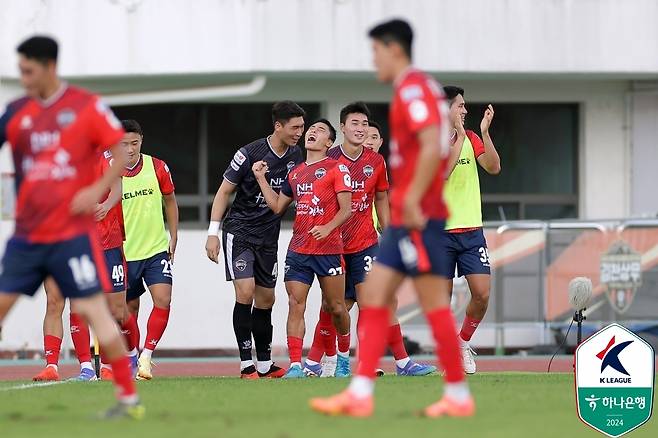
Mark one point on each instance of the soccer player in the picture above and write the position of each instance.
(321, 188)
(147, 186)
(251, 235)
(374, 138)
(360, 240)
(464, 241)
(411, 245)
(109, 224)
(56, 132)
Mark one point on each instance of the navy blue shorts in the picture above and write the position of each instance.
(414, 252)
(304, 267)
(243, 259)
(357, 266)
(153, 270)
(116, 268)
(77, 265)
(467, 252)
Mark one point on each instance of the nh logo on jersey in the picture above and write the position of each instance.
(614, 380)
(276, 182)
(304, 189)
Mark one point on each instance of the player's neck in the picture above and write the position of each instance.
(351, 150)
(400, 70)
(277, 145)
(50, 90)
(315, 156)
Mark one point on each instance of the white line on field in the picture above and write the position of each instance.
(32, 385)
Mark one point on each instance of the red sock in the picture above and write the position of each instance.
(51, 348)
(447, 345)
(344, 343)
(396, 342)
(327, 324)
(131, 332)
(295, 346)
(123, 378)
(468, 327)
(80, 336)
(155, 327)
(372, 339)
(317, 348)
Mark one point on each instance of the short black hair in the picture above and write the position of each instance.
(132, 126)
(354, 108)
(376, 125)
(452, 91)
(40, 48)
(398, 31)
(286, 110)
(332, 130)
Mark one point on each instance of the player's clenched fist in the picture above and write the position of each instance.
(259, 168)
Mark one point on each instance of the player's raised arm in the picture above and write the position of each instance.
(219, 206)
(489, 160)
(278, 202)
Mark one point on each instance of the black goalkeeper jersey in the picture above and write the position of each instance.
(249, 218)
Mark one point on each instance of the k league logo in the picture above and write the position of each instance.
(614, 380)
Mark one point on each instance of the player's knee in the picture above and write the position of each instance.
(481, 297)
(338, 308)
(54, 305)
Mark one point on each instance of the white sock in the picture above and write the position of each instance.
(133, 352)
(52, 365)
(106, 366)
(331, 359)
(298, 364)
(146, 353)
(362, 386)
(129, 399)
(311, 362)
(246, 364)
(402, 362)
(457, 391)
(85, 366)
(264, 366)
(344, 353)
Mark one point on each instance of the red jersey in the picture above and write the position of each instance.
(110, 229)
(314, 188)
(368, 174)
(165, 180)
(418, 103)
(55, 146)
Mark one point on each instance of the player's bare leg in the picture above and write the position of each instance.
(333, 292)
(262, 330)
(434, 297)
(479, 285)
(7, 300)
(155, 328)
(95, 310)
(295, 326)
(53, 332)
(375, 298)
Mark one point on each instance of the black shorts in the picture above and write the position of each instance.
(357, 267)
(247, 260)
(156, 269)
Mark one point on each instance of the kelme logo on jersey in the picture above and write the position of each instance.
(319, 173)
(614, 380)
(137, 193)
(368, 171)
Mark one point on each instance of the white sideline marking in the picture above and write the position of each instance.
(32, 385)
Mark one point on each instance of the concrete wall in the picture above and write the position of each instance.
(102, 37)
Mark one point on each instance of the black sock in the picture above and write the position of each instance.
(242, 329)
(262, 329)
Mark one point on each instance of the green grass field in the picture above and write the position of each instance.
(509, 405)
